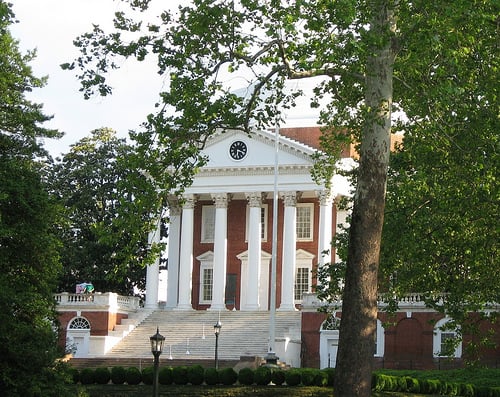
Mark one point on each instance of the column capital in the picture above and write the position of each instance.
(325, 197)
(189, 201)
(290, 198)
(221, 200)
(255, 199)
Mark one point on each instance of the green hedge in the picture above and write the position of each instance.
(197, 375)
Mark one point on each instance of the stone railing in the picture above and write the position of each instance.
(411, 301)
(109, 301)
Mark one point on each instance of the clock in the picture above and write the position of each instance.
(238, 150)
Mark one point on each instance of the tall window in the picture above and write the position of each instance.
(445, 340)
(207, 274)
(207, 223)
(301, 282)
(305, 216)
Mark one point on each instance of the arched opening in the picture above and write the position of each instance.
(77, 337)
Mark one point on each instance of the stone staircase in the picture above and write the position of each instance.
(189, 335)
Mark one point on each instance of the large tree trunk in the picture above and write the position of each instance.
(359, 307)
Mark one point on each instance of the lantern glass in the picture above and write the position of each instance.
(157, 342)
(217, 328)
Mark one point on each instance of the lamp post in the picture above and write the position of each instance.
(156, 348)
(217, 328)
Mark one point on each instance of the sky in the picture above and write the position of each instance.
(50, 26)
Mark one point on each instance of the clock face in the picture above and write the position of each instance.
(238, 150)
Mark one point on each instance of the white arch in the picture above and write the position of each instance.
(78, 336)
(441, 335)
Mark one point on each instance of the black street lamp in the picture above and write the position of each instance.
(217, 328)
(156, 348)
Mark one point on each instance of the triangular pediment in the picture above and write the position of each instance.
(260, 151)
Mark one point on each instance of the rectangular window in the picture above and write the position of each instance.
(305, 216)
(206, 284)
(447, 343)
(207, 223)
(263, 222)
(301, 282)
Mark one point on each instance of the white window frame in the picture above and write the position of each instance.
(264, 211)
(303, 259)
(203, 267)
(311, 221)
(438, 336)
(379, 340)
(207, 223)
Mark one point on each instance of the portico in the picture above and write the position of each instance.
(220, 230)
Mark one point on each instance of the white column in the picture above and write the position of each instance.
(289, 251)
(174, 238)
(342, 223)
(153, 272)
(186, 254)
(325, 227)
(254, 251)
(220, 252)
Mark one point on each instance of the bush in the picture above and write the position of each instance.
(330, 375)
(278, 377)
(307, 376)
(87, 376)
(211, 376)
(292, 377)
(262, 376)
(196, 374)
(246, 376)
(180, 375)
(165, 376)
(75, 375)
(147, 375)
(228, 376)
(466, 390)
(102, 376)
(118, 375)
(378, 381)
(320, 378)
(133, 376)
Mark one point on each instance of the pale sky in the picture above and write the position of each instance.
(50, 26)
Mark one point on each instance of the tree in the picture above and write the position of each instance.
(354, 44)
(29, 261)
(90, 184)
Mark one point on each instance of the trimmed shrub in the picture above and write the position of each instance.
(320, 378)
(401, 381)
(292, 377)
(228, 376)
(118, 375)
(262, 376)
(147, 375)
(330, 375)
(378, 381)
(196, 374)
(211, 376)
(133, 376)
(180, 375)
(412, 384)
(75, 375)
(307, 376)
(165, 376)
(278, 377)
(246, 376)
(466, 390)
(102, 376)
(87, 376)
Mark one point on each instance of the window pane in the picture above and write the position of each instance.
(301, 282)
(207, 284)
(208, 223)
(304, 222)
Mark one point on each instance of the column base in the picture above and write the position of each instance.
(287, 308)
